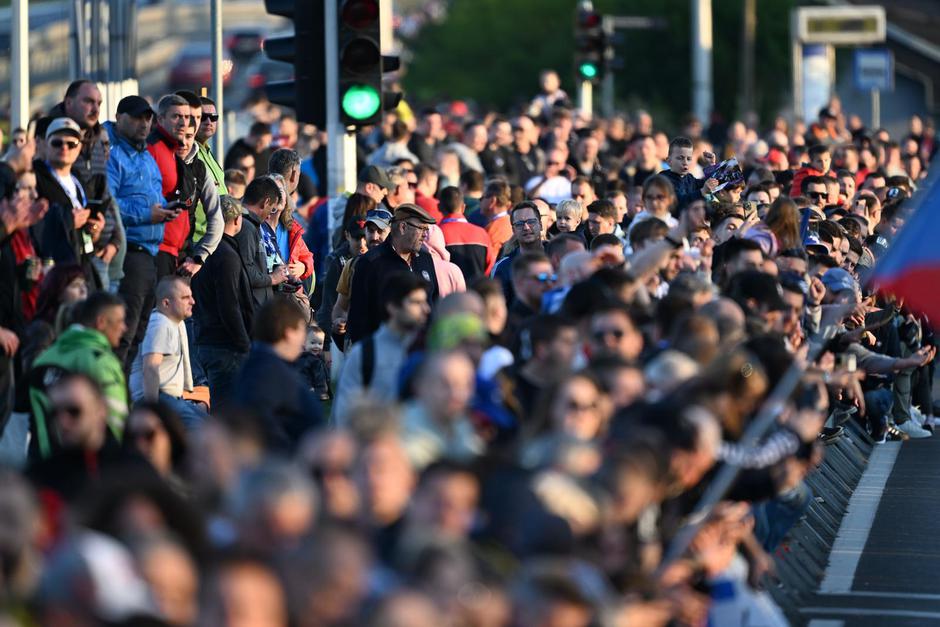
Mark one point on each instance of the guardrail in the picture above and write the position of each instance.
(802, 557)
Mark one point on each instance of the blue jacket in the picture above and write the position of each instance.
(136, 185)
(688, 188)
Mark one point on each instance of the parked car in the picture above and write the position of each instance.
(192, 68)
(244, 42)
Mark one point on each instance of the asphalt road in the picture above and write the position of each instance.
(896, 580)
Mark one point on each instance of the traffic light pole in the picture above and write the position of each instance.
(218, 142)
(341, 146)
(19, 65)
(586, 98)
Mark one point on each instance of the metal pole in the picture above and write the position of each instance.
(748, 34)
(387, 36)
(796, 56)
(702, 59)
(19, 60)
(875, 109)
(337, 176)
(94, 53)
(77, 62)
(586, 98)
(607, 94)
(218, 141)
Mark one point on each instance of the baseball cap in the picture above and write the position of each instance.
(380, 218)
(409, 211)
(375, 174)
(838, 280)
(757, 285)
(66, 126)
(135, 106)
(356, 226)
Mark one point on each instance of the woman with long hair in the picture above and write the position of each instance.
(783, 220)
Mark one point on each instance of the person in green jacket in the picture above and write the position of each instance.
(206, 131)
(87, 347)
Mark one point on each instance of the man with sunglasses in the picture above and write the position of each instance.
(814, 188)
(401, 251)
(69, 231)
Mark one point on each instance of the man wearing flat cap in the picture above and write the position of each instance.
(400, 252)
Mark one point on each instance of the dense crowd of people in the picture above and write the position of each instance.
(485, 388)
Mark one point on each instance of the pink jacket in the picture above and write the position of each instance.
(450, 278)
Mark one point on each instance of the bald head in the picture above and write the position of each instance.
(728, 317)
(576, 266)
(460, 303)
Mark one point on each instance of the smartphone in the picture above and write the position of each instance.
(846, 361)
(96, 207)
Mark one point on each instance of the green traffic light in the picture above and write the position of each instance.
(361, 102)
(588, 70)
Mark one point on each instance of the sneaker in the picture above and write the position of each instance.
(912, 430)
(882, 439)
(896, 435)
(917, 416)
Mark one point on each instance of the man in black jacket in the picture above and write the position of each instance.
(69, 231)
(402, 251)
(224, 308)
(268, 384)
(261, 199)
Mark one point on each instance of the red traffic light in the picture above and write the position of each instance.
(360, 55)
(360, 13)
(589, 19)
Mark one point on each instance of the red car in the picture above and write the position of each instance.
(192, 68)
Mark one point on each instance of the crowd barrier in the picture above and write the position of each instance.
(802, 557)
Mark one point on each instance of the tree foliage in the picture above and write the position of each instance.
(491, 51)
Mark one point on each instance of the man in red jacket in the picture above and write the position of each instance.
(173, 118)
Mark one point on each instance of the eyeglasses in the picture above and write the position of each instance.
(545, 277)
(72, 411)
(602, 334)
(212, 117)
(531, 223)
(423, 228)
(58, 143)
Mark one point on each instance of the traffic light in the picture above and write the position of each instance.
(590, 45)
(305, 49)
(361, 65)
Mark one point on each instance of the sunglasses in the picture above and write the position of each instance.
(574, 406)
(818, 195)
(72, 411)
(321, 472)
(601, 334)
(58, 143)
(412, 185)
(147, 435)
(212, 117)
(379, 213)
(545, 277)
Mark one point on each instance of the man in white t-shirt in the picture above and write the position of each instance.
(554, 186)
(162, 370)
